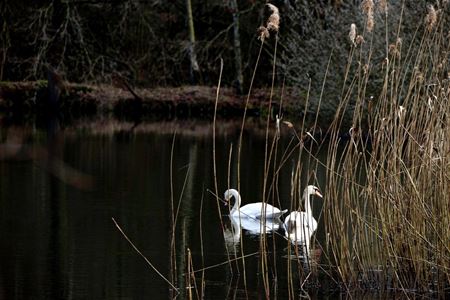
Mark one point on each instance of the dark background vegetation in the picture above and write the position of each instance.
(147, 41)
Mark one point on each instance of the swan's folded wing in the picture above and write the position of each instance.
(273, 215)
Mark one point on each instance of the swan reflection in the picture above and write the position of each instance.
(251, 226)
(232, 236)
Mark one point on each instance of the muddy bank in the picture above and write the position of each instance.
(77, 100)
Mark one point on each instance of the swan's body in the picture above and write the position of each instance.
(255, 211)
(256, 218)
(256, 226)
(300, 225)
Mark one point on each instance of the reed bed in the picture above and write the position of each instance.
(387, 207)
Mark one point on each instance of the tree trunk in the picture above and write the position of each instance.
(55, 52)
(195, 69)
(239, 80)
(4, 37)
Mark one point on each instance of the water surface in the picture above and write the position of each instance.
(58, 238)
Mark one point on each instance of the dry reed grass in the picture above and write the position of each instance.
(392, 228)
(386, 211)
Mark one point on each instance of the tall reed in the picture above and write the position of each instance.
(391, 229)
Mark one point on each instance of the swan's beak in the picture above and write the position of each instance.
(318, 194)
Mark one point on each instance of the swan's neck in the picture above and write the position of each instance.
(308, 209)
(237, 201)
(236, 226)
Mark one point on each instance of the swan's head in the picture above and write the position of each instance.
(230, 194)
(314, 190)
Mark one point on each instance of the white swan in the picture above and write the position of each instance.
(300, 226)
(254, 211)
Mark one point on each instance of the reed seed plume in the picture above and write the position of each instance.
(431, 18)
(273, 22)
(382, 6)
(367, 7)
(352, 34)
(359, 39)
(370, 21)
(394, 48)
(263, 33)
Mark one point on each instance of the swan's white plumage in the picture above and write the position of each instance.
(300, 225)
(256, 226)
(255, 211)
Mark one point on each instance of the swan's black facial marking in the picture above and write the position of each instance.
(227, 197)
(317, 192)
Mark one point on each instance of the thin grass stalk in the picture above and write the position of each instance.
(189, 275)
(275, 178)
(203, 283)
(263, 243)
(321, 94)
(173, 260)
(145, 258)
(288, 243)
(216, 189)
(245, 113)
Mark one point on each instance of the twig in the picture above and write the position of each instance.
(142, 255)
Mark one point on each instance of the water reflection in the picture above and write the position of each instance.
(69, 245)
(252, 227)
(232, 235)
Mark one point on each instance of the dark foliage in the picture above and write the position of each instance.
(147, 42)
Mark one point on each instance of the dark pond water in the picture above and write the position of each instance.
(60, 191)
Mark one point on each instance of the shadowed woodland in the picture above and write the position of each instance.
(153, 43)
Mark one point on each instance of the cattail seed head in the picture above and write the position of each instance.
(394, 50)
(431, 18)
(382, 6)
(367, 7)
(273, 23)
(370, 21)
(352, 33)
(366, 69)
(263, 33)
(359, 39)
